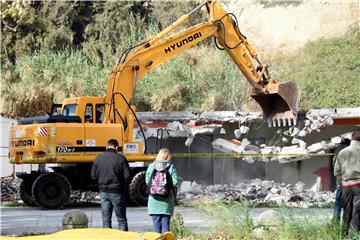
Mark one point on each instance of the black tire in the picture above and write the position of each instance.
(51, 190)
(137, 189)
(25, 193)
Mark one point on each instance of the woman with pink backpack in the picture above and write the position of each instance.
(162, 181)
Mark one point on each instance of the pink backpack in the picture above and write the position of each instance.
(160, 183)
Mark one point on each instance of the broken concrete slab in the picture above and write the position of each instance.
(237, 133)
(228, 146)
(173, 126)
(276, 198)
(242, 130)
(245, 142)
(315, 147)
(189, 141)
(258, 192)
(336, 140)
(239, 147)
(299, 142)
(299, 186)
(185, 186)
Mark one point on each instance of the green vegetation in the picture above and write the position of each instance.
(194, 80)
(41, 78)
(327, 71)
(233, 222)
(13, 203)
(53, 50)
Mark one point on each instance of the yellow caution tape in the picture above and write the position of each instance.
(240, 155)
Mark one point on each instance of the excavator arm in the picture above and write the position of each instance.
(279, 101)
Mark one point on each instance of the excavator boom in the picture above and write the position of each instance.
(278, 101)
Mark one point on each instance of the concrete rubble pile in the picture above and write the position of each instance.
(84, 197)
(9, 189)
(258, 192)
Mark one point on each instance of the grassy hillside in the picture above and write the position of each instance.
(326, 70)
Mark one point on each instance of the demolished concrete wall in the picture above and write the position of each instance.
(283, 154)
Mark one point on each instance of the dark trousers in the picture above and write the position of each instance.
(338, 202)
(116, 202)
(351, 205)
(161, 223)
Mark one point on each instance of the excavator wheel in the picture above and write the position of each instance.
(138, 190)
(51, 190)
(25, 193)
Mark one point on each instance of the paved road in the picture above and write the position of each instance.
(18, 220)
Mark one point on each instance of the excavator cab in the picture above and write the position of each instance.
(279, 104)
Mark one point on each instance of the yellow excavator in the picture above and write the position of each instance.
(68, 139)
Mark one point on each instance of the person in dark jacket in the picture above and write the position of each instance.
(112, 173)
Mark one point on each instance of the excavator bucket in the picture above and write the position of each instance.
(280, 106)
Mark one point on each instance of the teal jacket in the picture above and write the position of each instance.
(163, 206)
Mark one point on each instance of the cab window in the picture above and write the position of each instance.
(88, 117)
(100, 111)
(56, 109)
(69, 110)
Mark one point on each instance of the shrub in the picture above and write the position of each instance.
(40, 79)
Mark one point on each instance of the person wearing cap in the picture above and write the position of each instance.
(347, 169)
(112, 173)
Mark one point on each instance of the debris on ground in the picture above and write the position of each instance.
(257, 192)
(78, 196)
(9, 189)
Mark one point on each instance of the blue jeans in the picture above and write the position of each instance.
(161, 223)
(116, 202)
(338, 202)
